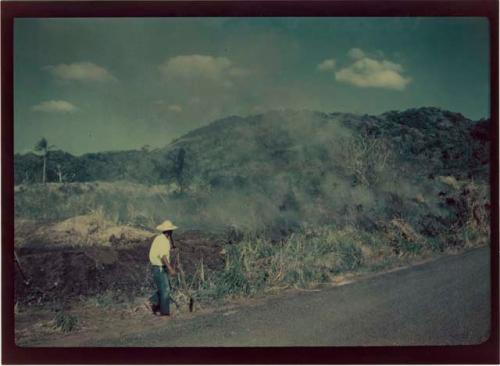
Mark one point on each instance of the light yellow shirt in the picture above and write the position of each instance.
(159, 248)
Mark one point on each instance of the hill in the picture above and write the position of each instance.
(291, 167)
(447, 142)
(443, 142)
(292, 197)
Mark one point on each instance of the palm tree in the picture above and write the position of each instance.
(43, 147)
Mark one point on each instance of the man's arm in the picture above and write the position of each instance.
(171, 270)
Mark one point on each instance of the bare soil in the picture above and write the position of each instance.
(61, 274)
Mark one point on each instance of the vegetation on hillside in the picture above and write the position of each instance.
(283, 169)
(300, 197)
(234, 149)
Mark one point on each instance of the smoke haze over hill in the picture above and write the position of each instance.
(288, 168)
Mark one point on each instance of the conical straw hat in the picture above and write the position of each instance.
(166, 225)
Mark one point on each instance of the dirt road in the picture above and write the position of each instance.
(446, 301)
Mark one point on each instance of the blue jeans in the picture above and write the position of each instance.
(162, 296)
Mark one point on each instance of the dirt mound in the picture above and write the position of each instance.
(23, 229)
(62, 274)
(85, 230)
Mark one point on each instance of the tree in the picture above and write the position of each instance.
(179, 165)
(25, 168)
(59, 173)
(43, 147)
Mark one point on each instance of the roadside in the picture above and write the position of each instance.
(436, 301)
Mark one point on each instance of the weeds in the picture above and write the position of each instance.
(65, 322)
(305, 259)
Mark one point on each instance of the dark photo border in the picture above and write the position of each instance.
(486, 352)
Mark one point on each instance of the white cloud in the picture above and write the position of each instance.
(367, 72)
(202, 68)
(356, 53)
(327, 65)
(175, 108)
(82, 71)
(55, 106)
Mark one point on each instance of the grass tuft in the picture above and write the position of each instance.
(65, 322)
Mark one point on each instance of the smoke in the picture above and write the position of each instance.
(278, 169)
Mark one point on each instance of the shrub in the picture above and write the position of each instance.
(367, 158)
(351, 256)
(403, 238)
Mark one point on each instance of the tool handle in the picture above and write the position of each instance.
(16, 259)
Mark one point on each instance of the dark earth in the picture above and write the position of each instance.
(65, 274)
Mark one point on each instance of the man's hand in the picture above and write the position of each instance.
(170, 268)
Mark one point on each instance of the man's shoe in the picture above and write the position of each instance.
(150, 307)
(160, 315)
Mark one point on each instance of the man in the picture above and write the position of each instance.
(161, 268)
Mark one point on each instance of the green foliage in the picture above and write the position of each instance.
(431, 138)
(179, 169)
(409, 247)
(435, 244)
(351, 256)
(135, 166)
(232, 281)
(27, 168)
(309, 257)
(42, 145)
(304, 259)
(65, 322)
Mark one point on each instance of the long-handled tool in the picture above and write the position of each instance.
(182, 279)
(25, 279)
(175, 302)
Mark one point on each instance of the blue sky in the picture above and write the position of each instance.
(122, 83)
